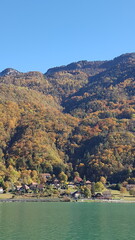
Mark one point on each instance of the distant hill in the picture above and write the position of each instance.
(74, 118)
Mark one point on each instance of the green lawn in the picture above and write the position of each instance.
(124, 196)
(6, 195)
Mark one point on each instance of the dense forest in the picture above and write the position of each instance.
(73, 120)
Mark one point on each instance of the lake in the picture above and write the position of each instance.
(67, 221)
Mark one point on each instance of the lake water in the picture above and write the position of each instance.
(67, 221)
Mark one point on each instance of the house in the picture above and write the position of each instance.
(78, 180)
(1, 190)
(22, 189)
(71, 184)
(25, 187)
(18, 188)
(33, 185)
(62, 194)
(76, 194)
(40, 187)
(107, 195)
(44, 177)
(98, 196)
(88, 183)
(56, 182)
(130, 186)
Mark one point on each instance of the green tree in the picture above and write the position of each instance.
(99, 187)
(76, 174)
(132, 191)
(63, 177)
(93, 188)
(86, 191)
(103, 180)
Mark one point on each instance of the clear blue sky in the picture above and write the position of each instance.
(40, 34)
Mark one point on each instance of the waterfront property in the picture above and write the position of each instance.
(51, 187)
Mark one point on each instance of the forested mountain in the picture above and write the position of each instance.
(74, 118)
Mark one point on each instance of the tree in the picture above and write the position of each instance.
(93, 188)
(132, 191)
(103, 180)
(63, 177)
(86, 192)
(76, 174)
(123, 190)
(99, 187)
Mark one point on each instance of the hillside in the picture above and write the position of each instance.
(74, 118)
(106, 105)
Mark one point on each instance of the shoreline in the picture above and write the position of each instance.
(63, 200)
(33, 200)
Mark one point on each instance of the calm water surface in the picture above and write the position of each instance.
(67, 221)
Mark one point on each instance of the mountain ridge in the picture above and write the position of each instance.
(75, 65)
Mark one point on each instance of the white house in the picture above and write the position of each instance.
(1, 190)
